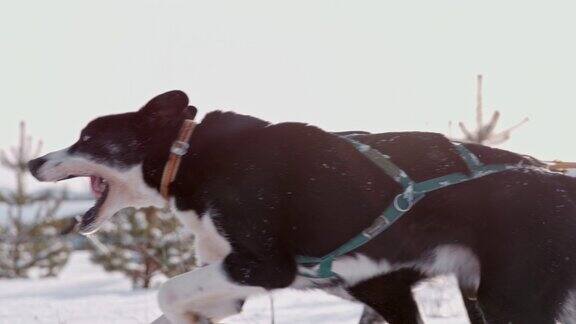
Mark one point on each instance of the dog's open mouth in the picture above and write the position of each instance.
(100, 189)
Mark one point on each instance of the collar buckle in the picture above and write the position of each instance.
(179, 148)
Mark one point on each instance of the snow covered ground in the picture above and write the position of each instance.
(84, 293)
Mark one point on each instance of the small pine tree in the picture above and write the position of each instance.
(29, 235)
(143, 244)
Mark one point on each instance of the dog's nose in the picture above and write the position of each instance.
(34, 166)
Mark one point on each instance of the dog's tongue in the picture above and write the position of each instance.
(97, 185)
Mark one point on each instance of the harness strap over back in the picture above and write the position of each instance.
(321, 267)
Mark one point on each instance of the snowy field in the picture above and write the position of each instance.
(84, 293)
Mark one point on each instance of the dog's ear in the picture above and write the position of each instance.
(166, 106)
(190, 112)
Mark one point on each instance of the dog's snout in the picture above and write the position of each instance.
(34, 165)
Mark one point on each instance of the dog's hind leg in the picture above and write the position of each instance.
(395, 308)
(512, 304)
(391, 296)
(474, 311)
(370, 316)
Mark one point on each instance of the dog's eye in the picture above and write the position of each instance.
(85, 138)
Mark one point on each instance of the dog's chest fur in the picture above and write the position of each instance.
(209, 244)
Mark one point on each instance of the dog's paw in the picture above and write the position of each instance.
(189, 319)
(198, 319)
(161, 320)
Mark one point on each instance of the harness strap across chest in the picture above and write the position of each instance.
(321, 267)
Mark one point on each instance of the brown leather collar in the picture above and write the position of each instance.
(179, 148)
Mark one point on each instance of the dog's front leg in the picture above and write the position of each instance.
(206, 292)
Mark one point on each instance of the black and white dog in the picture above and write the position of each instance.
(258, 194)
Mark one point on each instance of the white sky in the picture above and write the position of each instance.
(372, 65)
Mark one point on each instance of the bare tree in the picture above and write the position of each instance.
(485, 133)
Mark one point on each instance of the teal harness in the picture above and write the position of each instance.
(402, 203)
